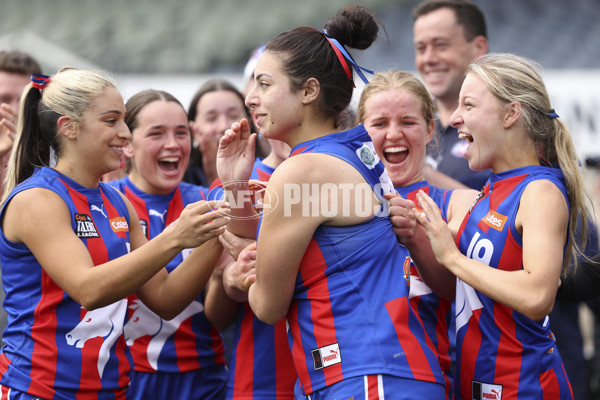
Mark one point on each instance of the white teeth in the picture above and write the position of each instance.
(169, 159)
(115, 148)
(396, 149)
(465, 136)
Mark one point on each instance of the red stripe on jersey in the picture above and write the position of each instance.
(285, 374)
(140, 209)
(263, 175)
(298, 151)
(185, 347)
(412, 196)
(44, 356)
(441, 329)
(501, 192)
(469, 352)
(372, 387)
(508, 359)
(244, 357)
(139, 351)
(4, 390)
(512, 254)
(415, 356)
(312, 268)
(297, 350)
(549, 384)
(4, 363)
(217, 345)
(215, 184)
(175, 207)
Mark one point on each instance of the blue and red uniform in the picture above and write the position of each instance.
(55, 349)
(185, 343)
(436, 313)
(350, 315)
(261, 363)
(500, 352)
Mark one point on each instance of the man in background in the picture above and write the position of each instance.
(448, 35)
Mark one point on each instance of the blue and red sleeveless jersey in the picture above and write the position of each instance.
(189, 341)
(350, 314)
(500, 352)
(261, 364)
(435, 312)
(55, 349)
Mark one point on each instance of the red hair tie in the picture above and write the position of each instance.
(39, 81)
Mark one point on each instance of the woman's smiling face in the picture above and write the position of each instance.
(160, 147)
(400, 134)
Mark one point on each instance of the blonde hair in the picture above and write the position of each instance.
(394, 79)
(70, 92)
(513, 78)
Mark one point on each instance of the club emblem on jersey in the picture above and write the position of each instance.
(144, 323)
(85, 227)
(367, 155)
(105, 322)
(326, 356)
(406, 268)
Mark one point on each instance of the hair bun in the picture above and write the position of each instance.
(353, 26)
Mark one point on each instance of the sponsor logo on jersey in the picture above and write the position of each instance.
(495, 220)
(119, 224)
(326, 356)
(485, 391)
(85, 227)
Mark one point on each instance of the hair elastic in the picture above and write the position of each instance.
(344, 57)
(552, 114)
(39, 81)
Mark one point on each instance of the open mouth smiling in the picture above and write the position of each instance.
(395, 154)
(169, 163)
(466, 136)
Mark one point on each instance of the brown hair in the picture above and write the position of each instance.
(306, 53)
(17, 62)
(468, 15)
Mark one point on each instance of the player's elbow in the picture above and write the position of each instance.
(269, 316)
(538, 307)
(268, 313)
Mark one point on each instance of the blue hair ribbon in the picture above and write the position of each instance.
(344, 56)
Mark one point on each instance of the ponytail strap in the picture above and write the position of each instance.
(552, 114)
(39, 81)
